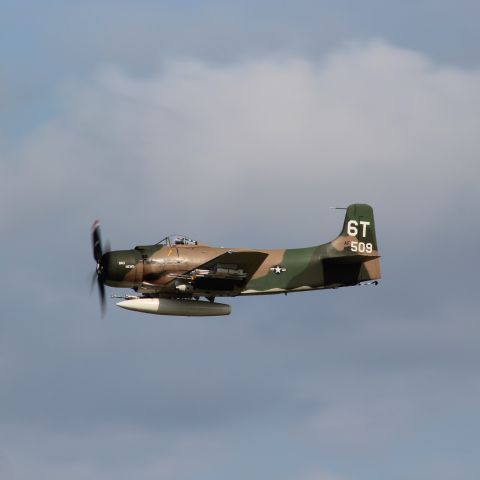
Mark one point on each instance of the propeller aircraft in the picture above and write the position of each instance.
(171, 276)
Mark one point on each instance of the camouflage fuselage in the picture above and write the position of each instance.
(185, 271)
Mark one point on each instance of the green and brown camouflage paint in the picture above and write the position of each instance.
(182, 271)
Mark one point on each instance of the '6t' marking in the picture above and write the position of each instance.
(352, 228)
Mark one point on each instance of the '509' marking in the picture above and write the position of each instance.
(361, 247)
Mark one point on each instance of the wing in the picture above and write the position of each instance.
(229, 271)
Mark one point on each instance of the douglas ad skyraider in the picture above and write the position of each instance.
(172, 276)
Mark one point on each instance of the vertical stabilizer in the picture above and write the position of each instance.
(353, 256)
(359, 226)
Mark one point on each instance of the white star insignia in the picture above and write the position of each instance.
(277, 269)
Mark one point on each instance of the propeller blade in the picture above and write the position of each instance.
(96, 241)
(98, 253)
(101, 290)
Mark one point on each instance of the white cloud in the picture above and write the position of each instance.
(255, 141)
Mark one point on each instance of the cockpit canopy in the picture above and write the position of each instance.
(177, 239)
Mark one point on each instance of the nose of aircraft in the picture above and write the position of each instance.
(115, 266)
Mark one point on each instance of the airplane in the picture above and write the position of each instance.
(171, 276)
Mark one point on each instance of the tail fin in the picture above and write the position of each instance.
(359, 226)
(353, 256)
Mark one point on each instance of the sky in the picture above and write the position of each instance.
(240, 124)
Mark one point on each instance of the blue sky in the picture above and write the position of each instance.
(240, 124)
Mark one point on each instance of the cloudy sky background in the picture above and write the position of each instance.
(240, 124)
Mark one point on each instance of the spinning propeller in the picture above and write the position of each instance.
(98, 254)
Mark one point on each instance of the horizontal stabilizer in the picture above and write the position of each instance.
(350, 259)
